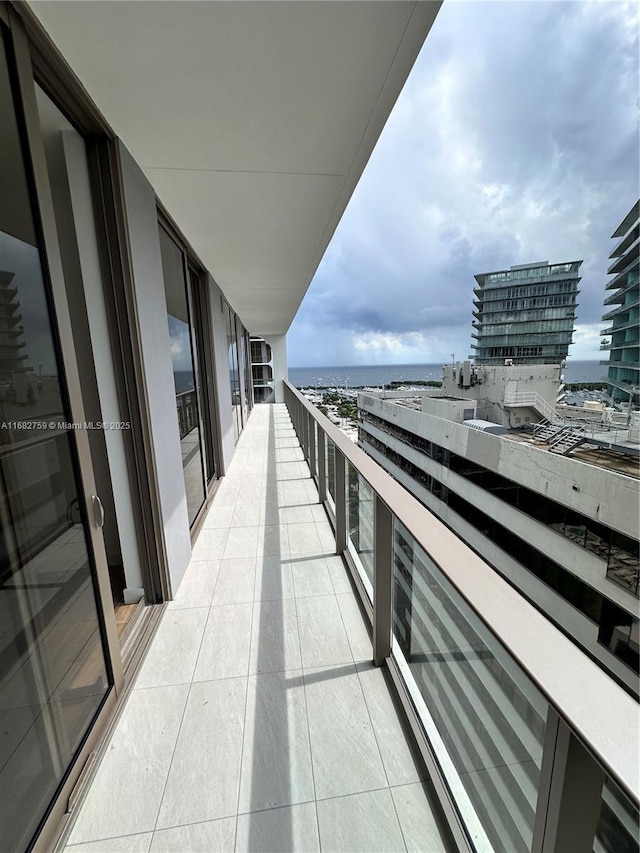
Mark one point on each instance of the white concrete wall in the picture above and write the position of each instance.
(278, 344)
(493, 381)
(453, 410)
(605, 496)
(142, 220)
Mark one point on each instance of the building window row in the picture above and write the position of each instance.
(520, 301)
(531, 272)
(528, 331)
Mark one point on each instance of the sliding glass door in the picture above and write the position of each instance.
(234, 369)
(54, 671)
(187, 315)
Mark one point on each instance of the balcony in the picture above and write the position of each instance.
(258, 721)
(625, 260)
(623, 309)
(625, 241)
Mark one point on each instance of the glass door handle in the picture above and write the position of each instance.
(98, 511)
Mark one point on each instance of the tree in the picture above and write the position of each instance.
(331, 398)
(347, 409)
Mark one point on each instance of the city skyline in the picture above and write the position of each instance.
(494, 155)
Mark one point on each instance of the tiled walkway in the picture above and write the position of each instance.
(257, 722)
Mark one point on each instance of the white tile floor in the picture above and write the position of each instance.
(257, 722)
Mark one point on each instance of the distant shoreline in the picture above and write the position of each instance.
(362, 376)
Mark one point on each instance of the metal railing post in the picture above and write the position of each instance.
(304, 429)
(312, 445)
(299, 422)
(569, 793)
(382, 580)
(322, 466)
(341, 501)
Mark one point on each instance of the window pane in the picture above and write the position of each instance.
(53, 674)
(234, 373)
(182, 338)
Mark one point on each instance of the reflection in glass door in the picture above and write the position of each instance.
(204, 371)
(53, 670)
(234, 371)
(189, 371)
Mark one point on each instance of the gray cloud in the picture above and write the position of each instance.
(514, 140)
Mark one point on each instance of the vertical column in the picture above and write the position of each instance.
(278, 344)
(341, 502)
(569, 795)
(322, 466)
(382, 580)
(312, 444)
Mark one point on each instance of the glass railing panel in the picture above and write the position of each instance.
(360, 522)
(331, 469)
(314, 438)
(617, 830)
(488, 715)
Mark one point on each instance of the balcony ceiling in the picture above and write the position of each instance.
(253, 120)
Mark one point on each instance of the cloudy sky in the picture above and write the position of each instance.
(514, 140)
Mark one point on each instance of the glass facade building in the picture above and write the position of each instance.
(622, 336)
(525, 314)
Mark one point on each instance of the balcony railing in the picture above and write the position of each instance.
(187, 412)
(530, 745)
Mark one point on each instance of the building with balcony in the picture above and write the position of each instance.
(194, 654)
(13, 359)
(622, 335)
(525, 315)
(261, 370)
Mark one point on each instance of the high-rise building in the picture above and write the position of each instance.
(525, 314)
(622, 336)
(13, 359)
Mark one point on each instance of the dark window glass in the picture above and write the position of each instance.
(53, 674)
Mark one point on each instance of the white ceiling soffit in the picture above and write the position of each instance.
(252, 120)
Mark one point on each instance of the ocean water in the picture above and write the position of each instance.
(376, 375)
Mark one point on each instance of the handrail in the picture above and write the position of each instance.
(599, 712)
(531, 398)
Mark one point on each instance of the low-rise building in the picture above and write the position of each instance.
(562, 529)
